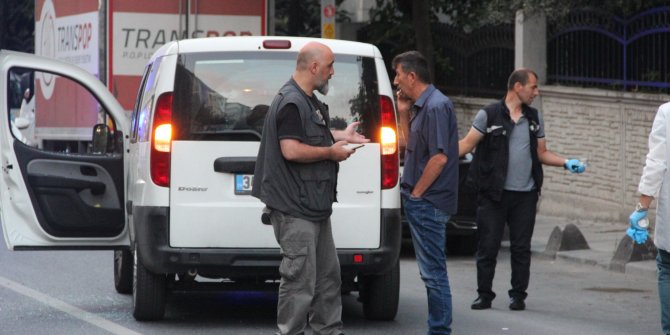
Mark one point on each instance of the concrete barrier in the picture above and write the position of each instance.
(629, 251)
(569, 238)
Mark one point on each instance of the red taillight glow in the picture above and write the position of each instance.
(277, 44)
(358, 258)
(389, 143)
(161, 139)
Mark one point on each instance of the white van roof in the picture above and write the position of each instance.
(255, 43)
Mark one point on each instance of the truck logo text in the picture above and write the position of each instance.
(74, 37)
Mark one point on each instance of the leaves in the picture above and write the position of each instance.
(17, 25)
(302, 17)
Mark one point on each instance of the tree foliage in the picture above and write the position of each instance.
(302, 17)
(475, 13)
(395, 28)
(17, 26)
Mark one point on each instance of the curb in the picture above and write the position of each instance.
(571, 245)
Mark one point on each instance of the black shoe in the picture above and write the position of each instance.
(517, 304)
(481, 303)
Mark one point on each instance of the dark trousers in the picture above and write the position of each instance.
(518, 210)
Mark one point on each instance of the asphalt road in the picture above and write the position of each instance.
(72, 292)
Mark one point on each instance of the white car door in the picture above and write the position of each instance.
(65, 186)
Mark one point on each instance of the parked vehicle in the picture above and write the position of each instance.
(168, 187)
(462, 236)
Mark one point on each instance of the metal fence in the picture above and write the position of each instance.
(597, 49)
(479, 62)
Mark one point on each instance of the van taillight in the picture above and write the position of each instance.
(389, 143)
(161, 138)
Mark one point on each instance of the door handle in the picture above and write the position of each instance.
(97, 188)
(235, 165)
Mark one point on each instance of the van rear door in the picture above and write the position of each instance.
(220, 103)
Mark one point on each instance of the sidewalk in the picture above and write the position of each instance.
(602, 237)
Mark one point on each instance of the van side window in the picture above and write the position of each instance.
(62, 116)
(146, 103)
(138, 100)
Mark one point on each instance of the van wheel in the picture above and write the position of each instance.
(149, 291)
(462, 245)
(380, 295)
(123, 271)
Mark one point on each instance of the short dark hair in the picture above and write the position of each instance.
(520, 76)
(413, 61)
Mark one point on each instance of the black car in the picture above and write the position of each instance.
(462, 234)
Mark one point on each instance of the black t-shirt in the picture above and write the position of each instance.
(289, 124)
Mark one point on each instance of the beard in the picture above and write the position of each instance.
(323, 87)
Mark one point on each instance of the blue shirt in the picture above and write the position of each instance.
(432, 130)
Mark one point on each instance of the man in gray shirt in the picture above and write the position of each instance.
(507, 172)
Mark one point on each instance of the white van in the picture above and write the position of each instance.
(168, 186)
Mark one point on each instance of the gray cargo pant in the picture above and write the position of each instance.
(310, 276)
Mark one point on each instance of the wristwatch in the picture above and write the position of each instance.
(644, 222)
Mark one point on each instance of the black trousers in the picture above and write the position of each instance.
(518, 210)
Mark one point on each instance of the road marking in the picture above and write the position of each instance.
(67, 308)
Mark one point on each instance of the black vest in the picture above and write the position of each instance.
(304, 190)
(488, 169)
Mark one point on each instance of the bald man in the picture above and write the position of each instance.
(296, 178)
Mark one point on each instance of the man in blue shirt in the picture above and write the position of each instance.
(429, 184)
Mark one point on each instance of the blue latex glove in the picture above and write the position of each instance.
(637, 233)
(574, 166)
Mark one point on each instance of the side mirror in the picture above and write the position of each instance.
(100, 138)
(21, 123)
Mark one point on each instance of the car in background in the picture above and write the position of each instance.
(462, 236)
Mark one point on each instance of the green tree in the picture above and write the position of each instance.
(302, 17)
(17, 25)
(401, 25)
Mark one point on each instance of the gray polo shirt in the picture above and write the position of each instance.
(519, 169)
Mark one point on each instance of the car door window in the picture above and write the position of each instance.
(61, 116)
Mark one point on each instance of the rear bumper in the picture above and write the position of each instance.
(376, 261)
(151, 226)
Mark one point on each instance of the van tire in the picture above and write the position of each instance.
(149, 290)
(123, 271)
(380, 295)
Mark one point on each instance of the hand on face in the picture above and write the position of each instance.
(403, 102)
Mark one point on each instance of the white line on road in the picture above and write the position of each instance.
(67, 308)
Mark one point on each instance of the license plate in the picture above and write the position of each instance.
(243, 183)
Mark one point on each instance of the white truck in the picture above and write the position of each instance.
(113, 40)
